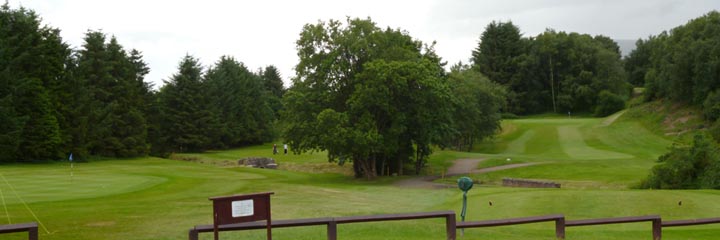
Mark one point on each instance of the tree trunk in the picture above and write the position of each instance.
(471, 141)
(382, 167)
(400, 165)
(367, 168)
(418, 162)
(552, 84)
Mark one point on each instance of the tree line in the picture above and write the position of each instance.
(373, 97)
(376, 98)
(94, 101)
(682, 66)
(554, 71)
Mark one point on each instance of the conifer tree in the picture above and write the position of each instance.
(241, 103)
(31, 57)
(186, 122)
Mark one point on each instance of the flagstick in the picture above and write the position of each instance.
(72, 167)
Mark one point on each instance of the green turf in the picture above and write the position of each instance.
(150, 198)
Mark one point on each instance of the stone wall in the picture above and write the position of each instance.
(258, 162)
(512, 182)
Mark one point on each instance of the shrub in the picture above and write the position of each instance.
(509, 116)
(608, 103)
(711, 106)
(687, 167)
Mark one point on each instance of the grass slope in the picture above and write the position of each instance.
(150, 198)
(578, 152)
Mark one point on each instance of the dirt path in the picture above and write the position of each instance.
(611, 119)
(463, 166)
(459, 167)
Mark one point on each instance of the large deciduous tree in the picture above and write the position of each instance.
(374, 97)
(477, 107)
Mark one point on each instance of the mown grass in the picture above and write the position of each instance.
(579, 152)
(150, 198)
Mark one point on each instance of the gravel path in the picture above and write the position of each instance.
(459, 167)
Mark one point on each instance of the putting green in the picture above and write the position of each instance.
(43, 186)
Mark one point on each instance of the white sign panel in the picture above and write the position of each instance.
(242, 208)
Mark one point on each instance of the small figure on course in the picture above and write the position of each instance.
(275, 149)
(285, 147)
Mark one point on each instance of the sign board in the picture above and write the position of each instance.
(242, 208)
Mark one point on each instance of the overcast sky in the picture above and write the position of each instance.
(263, 32)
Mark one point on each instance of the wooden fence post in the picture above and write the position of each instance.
(332, 230)
(560, 228)
(657, 229)
(450, 226)
(33, 233)
(193, 234)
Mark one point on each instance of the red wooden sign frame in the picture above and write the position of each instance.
(242, 208)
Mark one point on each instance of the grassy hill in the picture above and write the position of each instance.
(596, 160)
(578, 152)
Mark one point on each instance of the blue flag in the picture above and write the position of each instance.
(70, 157)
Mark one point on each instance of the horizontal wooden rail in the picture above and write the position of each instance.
(655, 219)
(510, 221)
(602, 221)
(448, 215)
(193, 234)
(31, 228)
(394, 217)
(331, 223)
(690, 222)
(559, 220)
(450, 223)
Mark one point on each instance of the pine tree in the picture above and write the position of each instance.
(274, 85)
(114, 81)
(94, 72)
(272, 81)
(129, 135)
(186, 122)
(31, 58)
(239, 100)
(40, 138)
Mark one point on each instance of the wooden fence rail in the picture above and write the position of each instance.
(31, 228)
(451, 225)
(331, 223)
(559, 220)
(690, 222)
(655, 219)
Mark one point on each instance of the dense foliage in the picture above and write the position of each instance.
(56, 102)
(376, 98)
(683, 66)
(554, 71)
(476, 110)
(94, 101)
(688, 167)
